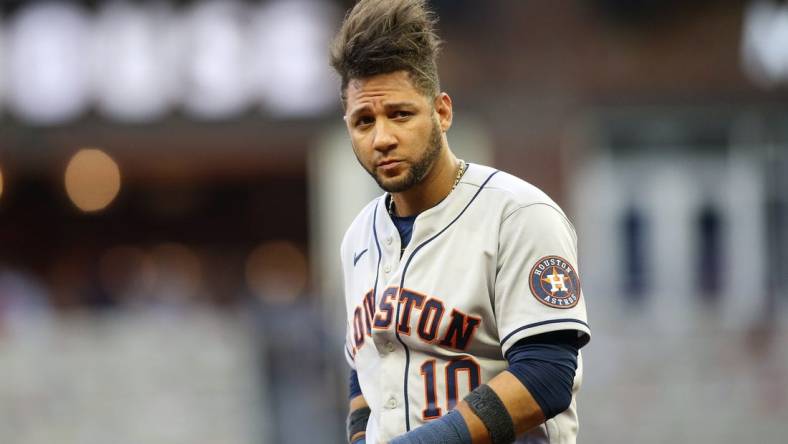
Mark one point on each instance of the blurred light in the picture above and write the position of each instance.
(92, 180)
(1, 183)
(132, 61)
(765, 42)
(276, 272)
(127, 272)
(291, 72)
(216, 60)
(178, 272)
(48, 79)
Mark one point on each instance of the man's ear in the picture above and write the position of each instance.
(443, 107)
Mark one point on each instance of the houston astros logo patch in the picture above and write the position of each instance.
(554, 282)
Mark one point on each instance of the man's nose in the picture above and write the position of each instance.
(384, 138)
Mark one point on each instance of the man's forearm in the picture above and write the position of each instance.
(357, 403)
(508, 408)
(524, 410)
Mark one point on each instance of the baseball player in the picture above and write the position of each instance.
(465, 313)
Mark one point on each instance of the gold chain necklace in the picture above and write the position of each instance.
(460, 171)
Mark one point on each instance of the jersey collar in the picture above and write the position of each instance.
(429, 222)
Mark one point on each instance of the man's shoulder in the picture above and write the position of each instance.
(508, 189)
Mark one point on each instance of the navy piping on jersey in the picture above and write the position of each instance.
(536, 324)
(350, 355)
(402, 284)
(380, 256)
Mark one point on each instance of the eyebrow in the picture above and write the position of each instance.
(387, 106)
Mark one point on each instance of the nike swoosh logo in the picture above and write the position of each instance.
(356, 257)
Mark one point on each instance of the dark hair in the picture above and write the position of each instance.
(384, 36)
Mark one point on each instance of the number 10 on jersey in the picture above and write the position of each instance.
(450, 375)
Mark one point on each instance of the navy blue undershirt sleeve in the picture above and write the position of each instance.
(448, 429)
(546, 364)
(355, 387)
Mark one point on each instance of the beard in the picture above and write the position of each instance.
(418, 170)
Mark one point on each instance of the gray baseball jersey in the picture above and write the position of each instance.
(492, 263)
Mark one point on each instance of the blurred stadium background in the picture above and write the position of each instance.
(175, 179)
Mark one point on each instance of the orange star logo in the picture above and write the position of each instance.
(556, 281)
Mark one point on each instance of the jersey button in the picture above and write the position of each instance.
(387, 268)
(391, 403)
(389, 347)
(389, 240)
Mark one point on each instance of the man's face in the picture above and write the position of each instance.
(395, 130)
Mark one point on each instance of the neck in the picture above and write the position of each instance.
(435, 186)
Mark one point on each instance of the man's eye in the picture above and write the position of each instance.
(402, 114)
(364, 121)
